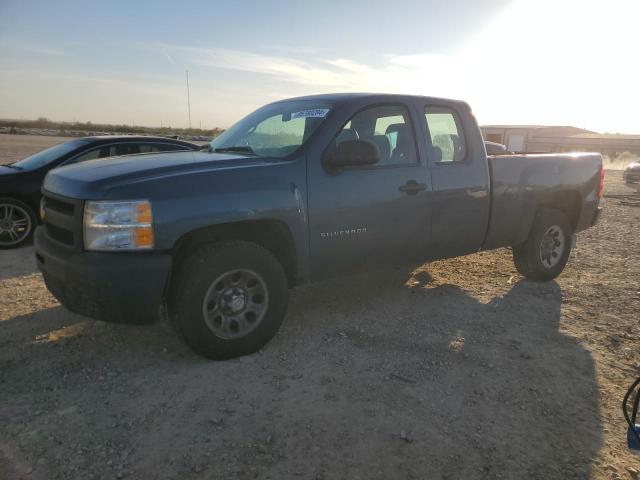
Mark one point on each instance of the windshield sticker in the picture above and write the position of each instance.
(314, 113)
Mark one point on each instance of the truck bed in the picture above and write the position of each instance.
(522, 183)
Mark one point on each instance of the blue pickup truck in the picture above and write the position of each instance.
(300, 190)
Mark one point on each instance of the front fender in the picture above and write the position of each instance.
(185, 202)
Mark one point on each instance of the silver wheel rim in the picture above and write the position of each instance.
(235, 303)
(552, 246)
(15, 224)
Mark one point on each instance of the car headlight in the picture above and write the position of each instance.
(124, 225)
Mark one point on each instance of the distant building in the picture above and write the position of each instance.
(538, 138)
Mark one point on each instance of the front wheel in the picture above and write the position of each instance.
(17, 223)
(228, 299)
(545, 253)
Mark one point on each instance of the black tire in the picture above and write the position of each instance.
(528, 256)
(199, 276)
(20, 211)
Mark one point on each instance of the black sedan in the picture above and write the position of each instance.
(632, 173)
(20, 181)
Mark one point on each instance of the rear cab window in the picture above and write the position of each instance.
(446, 135)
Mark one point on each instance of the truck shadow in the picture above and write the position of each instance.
(371, 376)
(483, 390)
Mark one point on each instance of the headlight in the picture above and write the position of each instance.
(118, 225)
(42, 211)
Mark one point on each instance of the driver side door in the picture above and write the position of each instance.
(361, 217)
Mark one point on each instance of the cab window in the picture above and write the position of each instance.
(447, 136)
(389, 127)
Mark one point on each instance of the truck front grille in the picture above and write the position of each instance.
(63, 220)
(60, 234)
(59, 206)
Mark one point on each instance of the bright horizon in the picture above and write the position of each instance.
(562, 62)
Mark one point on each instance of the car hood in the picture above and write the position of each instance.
(7, 171)
(91, 179)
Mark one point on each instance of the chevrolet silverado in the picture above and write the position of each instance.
(297, 191)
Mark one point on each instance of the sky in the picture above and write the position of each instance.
(553, 62)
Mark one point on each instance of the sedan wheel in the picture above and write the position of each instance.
(16, 224)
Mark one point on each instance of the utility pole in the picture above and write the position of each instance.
(188, 99)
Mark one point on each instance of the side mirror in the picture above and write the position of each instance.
(352, 153)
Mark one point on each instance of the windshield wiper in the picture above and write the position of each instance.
(11, 165)
(237, 149)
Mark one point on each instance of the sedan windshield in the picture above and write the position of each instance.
(275, 130)
(49, 155)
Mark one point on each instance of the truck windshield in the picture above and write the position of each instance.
(49, 155)
(275, 130)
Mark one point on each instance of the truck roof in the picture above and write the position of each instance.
(335, 98)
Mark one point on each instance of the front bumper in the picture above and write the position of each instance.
(120, 287)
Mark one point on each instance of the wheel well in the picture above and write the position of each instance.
(273, 235)
(568, 202)
(33, 203)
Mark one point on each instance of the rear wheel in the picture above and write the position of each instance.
(545, 253)
(228, 299)
(17, 222)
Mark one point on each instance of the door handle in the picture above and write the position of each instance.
(412, 187)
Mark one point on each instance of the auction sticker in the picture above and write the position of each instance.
(314, 113)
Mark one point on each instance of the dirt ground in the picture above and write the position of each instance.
(460, 369)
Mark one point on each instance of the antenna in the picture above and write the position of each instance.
(188, 99)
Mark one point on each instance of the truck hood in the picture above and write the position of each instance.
(93, 178)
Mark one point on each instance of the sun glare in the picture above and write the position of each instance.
(559, 62)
